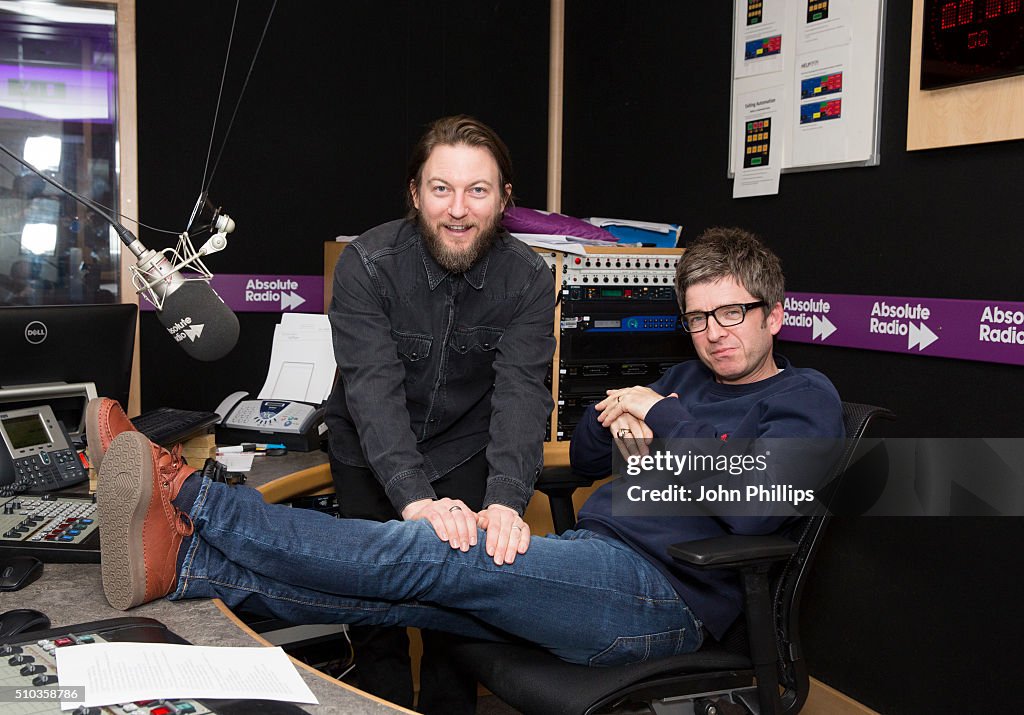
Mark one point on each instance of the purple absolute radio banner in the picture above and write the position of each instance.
(985, 330)
(267, 294)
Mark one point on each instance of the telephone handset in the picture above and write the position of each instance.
(37, 455)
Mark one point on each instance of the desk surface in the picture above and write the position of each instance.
(266, 469)
(73, 593)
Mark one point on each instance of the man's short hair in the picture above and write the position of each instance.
(731, 252)
(454, 131)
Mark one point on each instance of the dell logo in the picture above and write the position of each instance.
(35, 332)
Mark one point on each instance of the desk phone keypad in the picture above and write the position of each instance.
(276, 415)
(33, 664)
(46, 471)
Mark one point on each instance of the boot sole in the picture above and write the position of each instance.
(123, 494)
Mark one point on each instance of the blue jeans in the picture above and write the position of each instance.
(587, 598)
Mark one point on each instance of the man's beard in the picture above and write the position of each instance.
(458, 261)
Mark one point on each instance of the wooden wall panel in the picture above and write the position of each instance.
(989, 111)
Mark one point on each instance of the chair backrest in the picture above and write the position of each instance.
(787, 586)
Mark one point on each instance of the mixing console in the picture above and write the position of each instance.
(62, 529)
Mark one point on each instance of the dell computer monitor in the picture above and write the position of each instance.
(70, 344)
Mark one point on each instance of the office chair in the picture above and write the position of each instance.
(758, 666)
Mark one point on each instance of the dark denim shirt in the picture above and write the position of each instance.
(436, 366)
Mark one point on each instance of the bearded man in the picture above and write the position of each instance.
(442, 326)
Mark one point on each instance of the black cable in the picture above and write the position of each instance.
(99, 208)
(231, 122)
(54, 183)
(14, 488)
(220, 94)
(126, 236)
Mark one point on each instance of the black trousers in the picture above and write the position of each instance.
(382, 653)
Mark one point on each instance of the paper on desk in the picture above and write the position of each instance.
(645, 225)
(237, 461)
(301, 360)
(555, 242)
(110, 673)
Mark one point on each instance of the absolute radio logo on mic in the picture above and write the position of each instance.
(185, 329)
(195, 311)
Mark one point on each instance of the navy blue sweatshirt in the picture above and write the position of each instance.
(797, 402)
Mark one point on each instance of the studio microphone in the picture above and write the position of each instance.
(190, 310)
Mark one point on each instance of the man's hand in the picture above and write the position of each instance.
(623, 413)
(630, 435)
(507, 533)
(452, 520)
(636, 400)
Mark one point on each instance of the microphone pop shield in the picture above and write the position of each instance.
(199, 321)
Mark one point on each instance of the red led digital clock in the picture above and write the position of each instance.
(971, 41)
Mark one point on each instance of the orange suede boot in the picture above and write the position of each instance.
(140, 529)
(104, 420)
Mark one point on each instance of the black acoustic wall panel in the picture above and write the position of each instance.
(897, 603)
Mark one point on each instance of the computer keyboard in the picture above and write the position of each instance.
(168, 425)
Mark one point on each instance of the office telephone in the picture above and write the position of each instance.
(297, 425)
(37, 455)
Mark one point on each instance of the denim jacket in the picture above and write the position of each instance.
(434, 367)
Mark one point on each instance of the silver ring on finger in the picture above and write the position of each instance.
(456, 508)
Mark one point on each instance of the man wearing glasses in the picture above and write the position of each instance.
(730, 289)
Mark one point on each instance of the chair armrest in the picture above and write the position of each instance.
(558, 483)
(560, 478)
(733, 551)
(752, 555)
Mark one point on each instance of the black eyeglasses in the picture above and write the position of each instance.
(726, 316)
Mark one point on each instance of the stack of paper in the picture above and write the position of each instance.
(566, 244)
(302, 360)
(108, 673)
